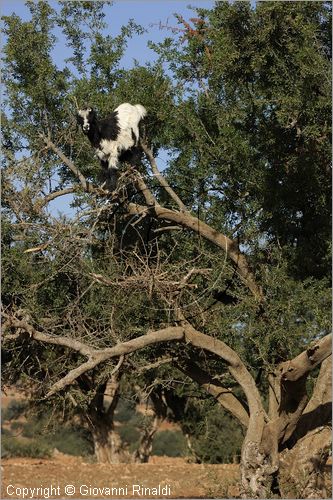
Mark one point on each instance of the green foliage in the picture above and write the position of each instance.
(5, 432)
(72, 440)
(125, 411)
(218, 439)
(14, 410)
(40, 440)
(169, 443)
(36, 448)
(36, 436)
(254, 129)
(240, 104)
(213, 435)
(129, 435)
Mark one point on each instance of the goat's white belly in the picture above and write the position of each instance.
(110, 150)
(125, 140)
(107, 148)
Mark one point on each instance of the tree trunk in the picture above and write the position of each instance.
(258, 473)
(302, 468)
(159, 407)
(194, 457)
(144, 450)
(302, 463)
(107, 443)
(100, 418)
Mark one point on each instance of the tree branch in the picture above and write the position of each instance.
(160, 177)
(95, 356)
(56, 194)
(223, 395)
(240, 373)
(99, 356)
(188, 221)
(23, 325)
(148, 196)
(183, 218)
(318, 411)
(302, 364)
(292, 376)
(84, 183)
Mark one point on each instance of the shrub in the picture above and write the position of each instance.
(125, 411)
(16, 426)
(170, 444)
(12, 447)
(218, 439)
(129, 434)
(5, 432)
(14, 410)
(72, 440)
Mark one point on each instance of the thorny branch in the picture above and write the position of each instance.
(182, 218)
(292, 374)
(280, 428)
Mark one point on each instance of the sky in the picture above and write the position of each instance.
(156, 16)
(150, 14)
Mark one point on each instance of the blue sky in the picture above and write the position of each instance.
(154, 15)
(151, 14)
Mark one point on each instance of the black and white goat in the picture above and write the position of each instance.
(115, 135)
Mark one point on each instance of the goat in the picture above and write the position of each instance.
(115, 135)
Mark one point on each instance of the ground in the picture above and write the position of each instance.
(164, 477)
(179, 478)
(184, 480)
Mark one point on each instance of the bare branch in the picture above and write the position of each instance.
(322, 392)
(23, 325)
(67, 162)
(118, 365)
(156, 364)
(99, 356)
(76, 103)
(236, 367)
(318, 411)
(223, 395)
(292, 376)
(167, 228)
(56, 194)
(185, 219)
(296, 368)
(160, 177)
(138, 180)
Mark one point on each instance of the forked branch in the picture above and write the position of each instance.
(182, 218)
(222, 394)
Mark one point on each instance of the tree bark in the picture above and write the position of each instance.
(303, 461)
(107, 443)
(298, 425)
(301, 472)
(143, 453)
(159, 407)
(100, 418)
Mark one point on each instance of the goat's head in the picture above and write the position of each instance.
(86, 117)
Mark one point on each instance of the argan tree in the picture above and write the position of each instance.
(219, 265)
